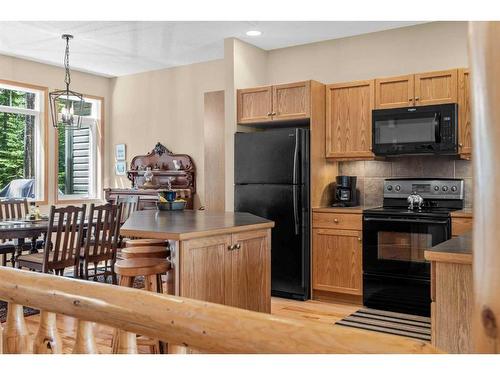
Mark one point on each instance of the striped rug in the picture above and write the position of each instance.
(413, 326)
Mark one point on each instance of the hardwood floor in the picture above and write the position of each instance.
(313, 310)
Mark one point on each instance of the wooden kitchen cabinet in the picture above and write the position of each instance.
(436, 87)
(254, 105)
(204, 259)
(349, 120)
(394, 92)
(337, 265)
(337, 249)
(291, 101)
(247, 275)
(464, 118)
(233, 270)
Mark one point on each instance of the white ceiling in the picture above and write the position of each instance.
(120, 48)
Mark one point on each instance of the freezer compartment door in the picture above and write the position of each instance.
(270, 157)
(290, 237)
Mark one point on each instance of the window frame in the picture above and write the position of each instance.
(43, 119)
(98, 133)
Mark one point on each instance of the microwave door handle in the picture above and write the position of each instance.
(437, 127)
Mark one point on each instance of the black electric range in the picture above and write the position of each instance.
(396, 276)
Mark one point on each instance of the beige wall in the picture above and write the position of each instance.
(29, 72)
(245, 66)
(425, 47)
(162, 106)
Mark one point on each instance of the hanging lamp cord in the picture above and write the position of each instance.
(67, 77)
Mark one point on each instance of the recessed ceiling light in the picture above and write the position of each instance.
(253, 33)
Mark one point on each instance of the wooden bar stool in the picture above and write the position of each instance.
(128, 270)
(144, 252)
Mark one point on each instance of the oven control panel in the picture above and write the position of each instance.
(427, 188)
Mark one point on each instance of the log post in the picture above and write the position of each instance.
(125, 342)
(85, 340)
(16, 338)
(47, 339)
(484, 58)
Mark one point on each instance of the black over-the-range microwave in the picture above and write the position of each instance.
(428, 129)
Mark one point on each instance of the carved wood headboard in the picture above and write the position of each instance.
(165, 165)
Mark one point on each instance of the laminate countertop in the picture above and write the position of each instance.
(455, 250)
(342, 210)
(182, 225)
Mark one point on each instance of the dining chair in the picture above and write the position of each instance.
(101, 241)
(130, 203)
(12, 208)
(62, 242)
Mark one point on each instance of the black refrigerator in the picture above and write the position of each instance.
(272, 181)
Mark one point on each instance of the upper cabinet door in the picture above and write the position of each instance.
(464, 118)
(394, 92)
(291, 101)
(436, 87)
(254, 105)
(349, 120)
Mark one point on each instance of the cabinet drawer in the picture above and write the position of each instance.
(460, 225)
(337, 221)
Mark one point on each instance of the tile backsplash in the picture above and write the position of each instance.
(371, 174)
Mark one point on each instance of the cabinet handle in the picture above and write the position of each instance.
(410, 99)
(270, 114)
(273, 114)
(417, 98)
(335, 220)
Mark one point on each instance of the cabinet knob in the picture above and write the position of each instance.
(410, 99)
(359, 239)
(417, 98)
(335, 220)
(238, 246)
(273, 114)
(460, 145)
(230, 247)
(270, 114)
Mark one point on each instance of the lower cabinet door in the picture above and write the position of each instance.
(337, 261)
(248, 273)
(202, 268)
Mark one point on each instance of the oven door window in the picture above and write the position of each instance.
(406, 130)
(403, 247)
(397, 247)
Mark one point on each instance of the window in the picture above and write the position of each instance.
(22, 150)
(78, 155)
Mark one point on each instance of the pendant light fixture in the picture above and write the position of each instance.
(66, 105)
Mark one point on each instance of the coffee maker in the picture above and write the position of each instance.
(345, 192)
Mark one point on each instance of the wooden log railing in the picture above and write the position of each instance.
(198, 325)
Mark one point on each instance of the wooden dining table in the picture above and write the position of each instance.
(18, 230)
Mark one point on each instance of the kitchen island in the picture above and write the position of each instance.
(220, 257)
(451, 294)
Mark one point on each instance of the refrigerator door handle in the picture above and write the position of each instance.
(296, 209)
(296, 159)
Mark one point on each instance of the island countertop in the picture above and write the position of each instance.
(183, 225)
(455, 250)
